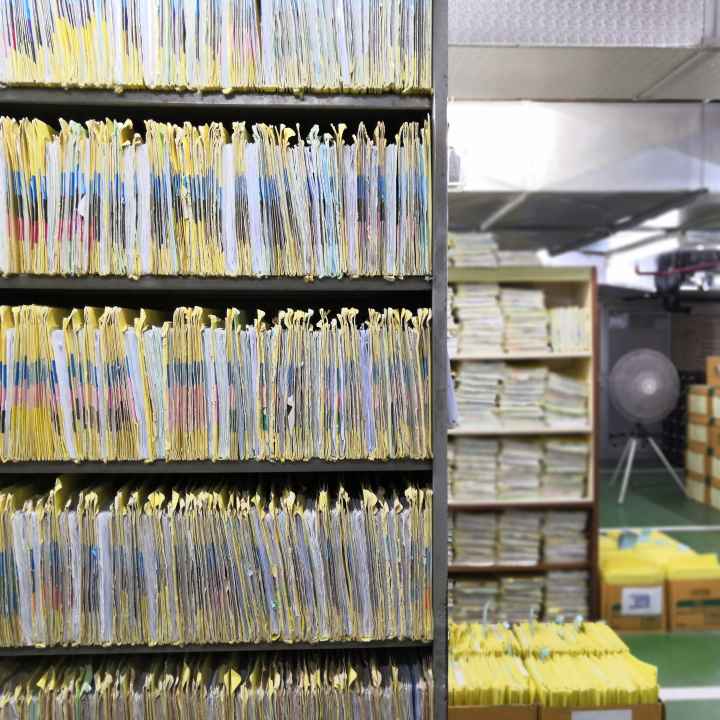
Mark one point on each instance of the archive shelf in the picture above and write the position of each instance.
(51, 103)
(217, 648)
(562, 286)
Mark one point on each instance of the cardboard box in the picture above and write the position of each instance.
(629, 712)
(698, 487)
(703, 403)
(693, 604)
(634, 608)
(712, 370)
(500, 712)
(699, 463)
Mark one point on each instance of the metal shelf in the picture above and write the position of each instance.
(536, 504)
(206, 467)
(211, 100)
(519, 429)
(222, 648)
(220, 285)
(538, 569)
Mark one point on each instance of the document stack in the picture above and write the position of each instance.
(565, 469)
(120, 384)
(473, 600)
(475, 538)
(566, 400)
(476, 391)
(479, 318)
(212, 45)
(526, 320)
(196, 201)
(519, 469)
(567, 594)
(473, 469)
(453, 330)
(570, 329)
(472, 250)
(519, 537)
(352, 572)
(521, 597)
(565, 537)
(518, 258)
(258, 685)
(522, 393)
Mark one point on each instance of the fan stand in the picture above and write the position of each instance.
(640, 435)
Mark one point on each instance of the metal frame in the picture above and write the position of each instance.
(50, 100)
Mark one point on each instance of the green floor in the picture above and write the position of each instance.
(683, 659)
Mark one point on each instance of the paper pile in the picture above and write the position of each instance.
(518, 258)
(480, 319)
(453, 330)
(565, 537)
(519, 469)
(473, 469)
(474, 538)
(567, 594)
(565, 468)
(522, 393)
(520, 596)
(471, 597)
(472, 250)
(476, 392)
(519, 536)
(526, 320)
(570, 329)
(566, 400)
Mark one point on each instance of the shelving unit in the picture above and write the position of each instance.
(363, 292)
(562, 286)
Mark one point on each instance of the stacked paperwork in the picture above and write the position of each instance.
(526, 320)
(475, 538)
(473, 469)
(567, 594)
(477, 385)
(167, 563)
(519, 469)
(473, 600)
(479, 317)
(519, 537)
(570, 329)
(259, 201)
(210, 44)
(565, 469)
(121, 384)
(518, 258)
(453, 330)
(565, 537)
(523, 390)
(521, 597)
(566, 400)
(279, 686)
(472, 250)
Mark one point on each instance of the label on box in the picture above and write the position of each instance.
(715, 467)
(601, 715)
(642, 600)
(698, 404)
(698, 433)
(695, 462)
(716, 407)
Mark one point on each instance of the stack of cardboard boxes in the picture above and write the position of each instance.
(702, 456)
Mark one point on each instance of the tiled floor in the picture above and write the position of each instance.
(683, 659)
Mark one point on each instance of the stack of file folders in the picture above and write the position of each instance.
(476, 391)
(519, 467)
(520, 597)
(473, 600)
(369, 685)
(565, 537)
(98, 199)
(523, 389)
(479, 318)
(526, 320)
(475, 538)
(472, 250)
(570, 329)
(566, 400)
(473, 469)
(519, 537)
(518, 258)
(565, 468)
(213, 44)
(566, 594)
(120, 384)
(167, 563)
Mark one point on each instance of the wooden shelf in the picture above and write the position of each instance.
(519, 429)
(535, 504)
(220, 648)
(206, 467)
(534, 274)
(538, 569)
(464, 357)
